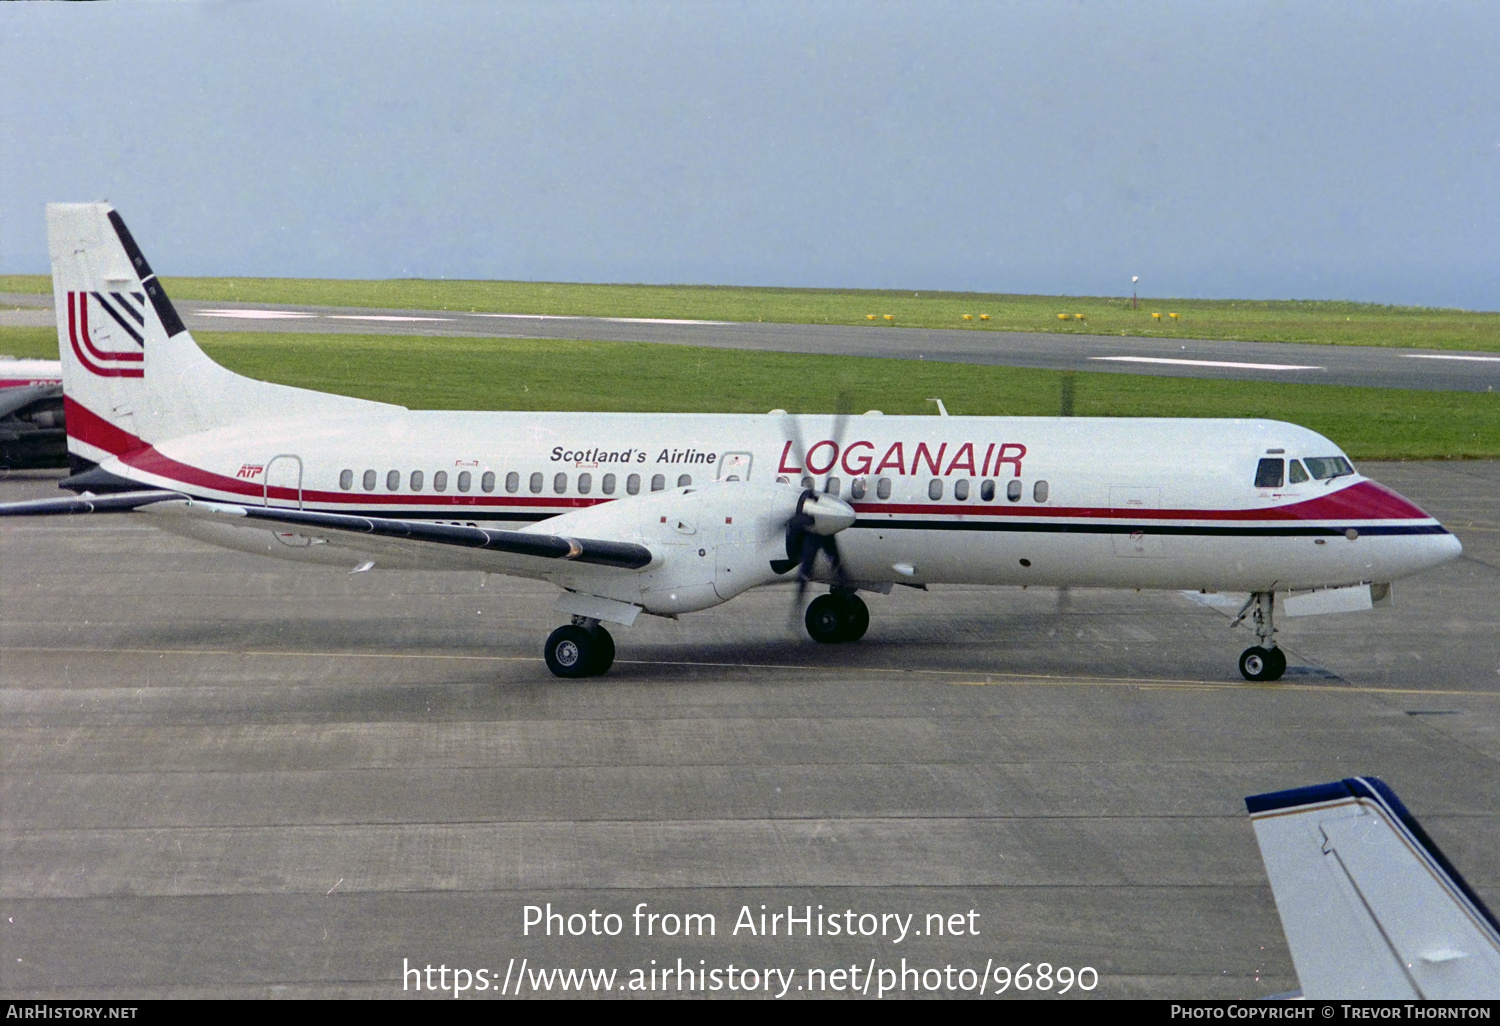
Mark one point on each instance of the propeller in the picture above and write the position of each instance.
(818, 517)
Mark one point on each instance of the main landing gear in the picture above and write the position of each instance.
(837, 616)
(582, 648)
(1264, 661)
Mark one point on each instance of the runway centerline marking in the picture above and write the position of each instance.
(992, 679)
(381, 317)
(253, 315)
(1433, 356)
(611, 320)
(1210, 363)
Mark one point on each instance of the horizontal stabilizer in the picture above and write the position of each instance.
(1370, 907)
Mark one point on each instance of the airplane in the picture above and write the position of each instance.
(31, 414)
(668, 514)
(1370, 907)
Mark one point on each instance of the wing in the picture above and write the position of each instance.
(120, 502)
(1369, 905)
(402, 543)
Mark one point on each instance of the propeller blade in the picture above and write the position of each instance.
(841, 407)
(799, 448)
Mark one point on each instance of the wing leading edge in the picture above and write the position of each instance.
(1370, 907)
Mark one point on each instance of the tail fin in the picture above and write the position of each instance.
(1369, 905)
(132, 374)
(105, 317)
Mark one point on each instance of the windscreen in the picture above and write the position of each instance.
(1324, 467)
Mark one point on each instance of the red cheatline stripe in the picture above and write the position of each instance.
(1363, 500)
(1375, 507)
(87, 426)
(103, 372)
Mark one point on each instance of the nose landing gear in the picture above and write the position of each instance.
(836, 617)
(1264, 661)
(582, 648)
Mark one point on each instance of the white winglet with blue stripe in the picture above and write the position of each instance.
(1369, 905)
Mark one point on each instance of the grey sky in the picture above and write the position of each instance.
(1268, 150)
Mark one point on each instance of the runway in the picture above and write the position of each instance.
(1374, 366)
(226, 776)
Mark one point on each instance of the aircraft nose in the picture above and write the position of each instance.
(1444, 547)
(1435, 544)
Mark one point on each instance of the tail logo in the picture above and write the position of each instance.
(100, 351)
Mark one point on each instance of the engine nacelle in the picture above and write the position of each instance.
(711, 542)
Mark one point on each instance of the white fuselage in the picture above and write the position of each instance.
(1141, 503)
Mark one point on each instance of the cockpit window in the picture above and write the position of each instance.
(1270, 473)
(1325, 467)
(1296, 475)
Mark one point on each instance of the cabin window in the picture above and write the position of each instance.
(1013, 490)
(935, 489)
(658, 482)
(607, 486)
(559, 483)
(487, 482)
(393, 481)
(987, 490)
(1295, 473)
(684, 480)
(535, 484)
(440, 481)
(1270, 473)
(883, 488)
(369, 480)
(857, 488)
(833, 486)
(512, 482)
(1325, 467)
(416, 480)
(464, 480)
(1039, 491)
(961, 489)
(633, 484)
(808, 482)
(585, 483)
(346, 479)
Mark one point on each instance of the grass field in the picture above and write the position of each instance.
(546, 374)
(1265, 321)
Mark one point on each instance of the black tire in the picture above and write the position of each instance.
(604, 652)
(823, 620)
(1278, 664)
(570, 651)
(854, 618)
(1262, 663)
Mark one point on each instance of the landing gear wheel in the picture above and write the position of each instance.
(854, 618)
(824, 624)
(1262, 663)
(604, 653)
(571, 651)
(837, 618)
(1278, 665)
